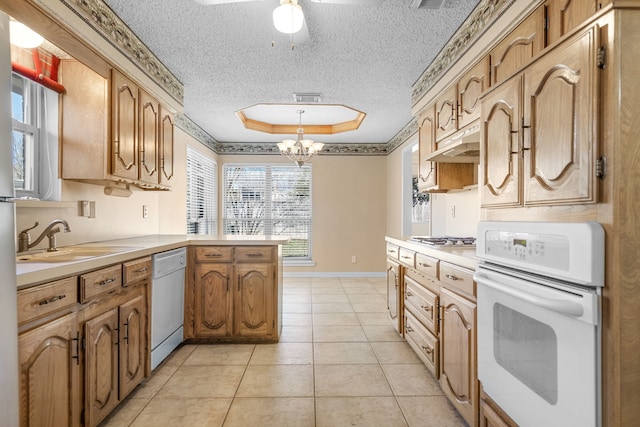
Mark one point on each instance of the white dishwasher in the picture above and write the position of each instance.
(167, 303)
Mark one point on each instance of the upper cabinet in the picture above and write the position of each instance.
(113, 131)
(539, 130)
(565, 15)
(427, 170)
(520, 46)
(446, 119)
(470, 88)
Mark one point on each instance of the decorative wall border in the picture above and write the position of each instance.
(406, 133)
(190, 127)
(475, 25)
(106, 23)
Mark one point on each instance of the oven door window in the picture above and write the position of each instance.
(527, 349)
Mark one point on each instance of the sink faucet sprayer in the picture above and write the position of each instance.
(24, 239)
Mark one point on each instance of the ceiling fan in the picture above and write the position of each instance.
(288, 18)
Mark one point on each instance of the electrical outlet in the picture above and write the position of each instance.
(354, 259)
(453, 211)
(145, 211)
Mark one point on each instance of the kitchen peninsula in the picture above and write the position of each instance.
(97, 310)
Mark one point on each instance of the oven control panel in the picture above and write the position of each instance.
(533, 248)
(570, 251)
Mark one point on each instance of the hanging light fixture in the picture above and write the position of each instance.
(300, 150)
(288, 17)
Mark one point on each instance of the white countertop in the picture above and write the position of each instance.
(464, 257)
(28, 273)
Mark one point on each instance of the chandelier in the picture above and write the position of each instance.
(300, 150)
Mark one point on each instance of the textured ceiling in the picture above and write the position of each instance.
(365, 57)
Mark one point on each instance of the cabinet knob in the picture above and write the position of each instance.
(452, 277)
(426, 308)
(427, 350)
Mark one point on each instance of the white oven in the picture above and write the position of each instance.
(539, 288)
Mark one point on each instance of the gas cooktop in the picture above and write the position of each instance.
(447, 241)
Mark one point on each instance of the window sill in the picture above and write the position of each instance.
(298, 263)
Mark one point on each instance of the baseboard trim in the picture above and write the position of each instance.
(312, 274)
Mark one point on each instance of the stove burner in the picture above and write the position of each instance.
(446, 241)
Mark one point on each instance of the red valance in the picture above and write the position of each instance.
(43, 69)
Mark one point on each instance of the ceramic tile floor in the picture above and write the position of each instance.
(339, 363)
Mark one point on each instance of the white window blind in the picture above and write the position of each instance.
(202, 189)
(270, 200)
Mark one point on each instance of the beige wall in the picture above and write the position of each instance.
(118, 217)
(349, 196)
(394, 185)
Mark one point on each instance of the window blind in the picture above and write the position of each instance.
(202, 188)
(270, 200)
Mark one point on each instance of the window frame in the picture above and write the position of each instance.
(270, 218)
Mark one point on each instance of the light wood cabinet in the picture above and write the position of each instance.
(539, 131)
(234, 293)
(49, 373)
(427, 171)
(518, 48)
(458, 354)
(132, 345)
(446, 113)
(113, 131)
(565, 15)
(471, 86)
(491, 415)
(394, 287)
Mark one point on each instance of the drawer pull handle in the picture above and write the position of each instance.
(422, 264)
(408, 329)
(406, 257)
(409, 294)
(213, 255)
(107, 281)
(255, 255)
(426, 308)
(452, 277)
(141, 270)
(52, 299)
(427, 350)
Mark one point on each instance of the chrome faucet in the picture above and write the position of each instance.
(24, 239)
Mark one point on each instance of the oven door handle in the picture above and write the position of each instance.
(569, 308)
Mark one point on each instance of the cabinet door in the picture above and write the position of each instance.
(499, 138)
(101, 369)
(560, 102)
(124, 158)
(149, 138)
(458, 377)
(565, 15)
(393, 292)
(470, 88)
(132, 344)
(166, 147)
(49, 374)
(518, 48)
(213, 300)
(446, 118)
(255, 300)
(427, 170)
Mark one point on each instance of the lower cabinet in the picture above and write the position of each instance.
(49, 372)
(79, 360)
(491, 415)
(458, 376)
(234, 293)
(394, 287)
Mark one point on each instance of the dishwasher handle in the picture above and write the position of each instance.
(562, 306)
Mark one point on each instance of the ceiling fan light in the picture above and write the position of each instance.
(23, 36)
(288, 17)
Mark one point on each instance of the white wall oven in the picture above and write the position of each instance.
(539, 322)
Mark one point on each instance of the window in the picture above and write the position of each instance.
(270, 200)
(202, 190)
(34, 147)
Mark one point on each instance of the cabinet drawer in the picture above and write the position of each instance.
(100, 281)
(407, 257)
(422, 303)
(457, 278)
(423, 342)
(392, 251)
(41, 300)
(427, 265)
(214, 253)
(136, 270)
(255, 254)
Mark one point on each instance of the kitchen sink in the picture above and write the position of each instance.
(71, 253)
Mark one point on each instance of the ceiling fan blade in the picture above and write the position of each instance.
(211, 2)
(352, 2)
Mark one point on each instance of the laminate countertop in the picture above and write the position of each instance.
(38, 270)
(461, 256)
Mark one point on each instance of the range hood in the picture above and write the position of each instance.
(462, 147)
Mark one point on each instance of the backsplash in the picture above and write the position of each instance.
(455, 214)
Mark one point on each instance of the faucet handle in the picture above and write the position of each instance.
(31, 228)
